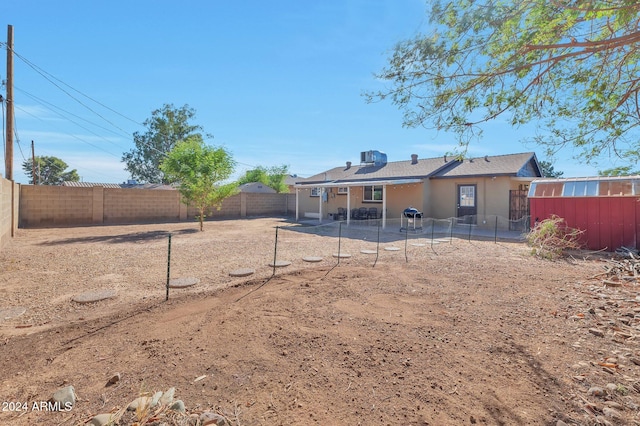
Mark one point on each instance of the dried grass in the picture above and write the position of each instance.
(552, 238)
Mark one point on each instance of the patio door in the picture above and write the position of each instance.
(467, 204)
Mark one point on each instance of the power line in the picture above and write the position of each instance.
(72, 135)
(38, 69)
(66, 118)
(15, 132)
(45, 103)
(79, 168)
(50, 79)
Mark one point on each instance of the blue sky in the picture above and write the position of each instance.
(275, 82)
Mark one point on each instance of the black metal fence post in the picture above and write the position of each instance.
(433, 225)
(451, 231)
(275, 253)
(168, 268)
(406, 239)
(377, 247)
(339, 240)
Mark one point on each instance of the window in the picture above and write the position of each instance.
(592, 188)
(467, 196)
(372, 193)
(343, 190)
(568, 189)
(548, 189)
(580, 188)
(616, 188)
(315, 192)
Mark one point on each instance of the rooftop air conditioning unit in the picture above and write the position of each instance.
(365, 157)
(376, 158)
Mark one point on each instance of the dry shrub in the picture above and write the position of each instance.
(551, 238)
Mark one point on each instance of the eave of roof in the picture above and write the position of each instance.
(399, 181)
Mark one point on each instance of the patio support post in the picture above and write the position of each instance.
(384, 206)
(297, 199)
(320, 205)
(348, 204)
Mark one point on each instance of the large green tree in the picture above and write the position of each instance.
(620, 171)
(166, 127)
(200, 171)
(547, 169)
(570, 67)
(49, 171)
(273, 177)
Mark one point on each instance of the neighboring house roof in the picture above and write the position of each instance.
(119, 185)
(256, 187)
(293, 179)
(90, 185)
(524, 164)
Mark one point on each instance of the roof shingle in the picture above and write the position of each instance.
(440, 167)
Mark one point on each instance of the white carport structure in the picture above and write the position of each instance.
(348, 185)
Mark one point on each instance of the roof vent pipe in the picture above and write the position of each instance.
(445, 158)
(348, 165)
(486, 158)
(414, 158)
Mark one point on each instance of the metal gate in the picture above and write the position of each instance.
(518, 210)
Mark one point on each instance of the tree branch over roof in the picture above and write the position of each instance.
(571, 68)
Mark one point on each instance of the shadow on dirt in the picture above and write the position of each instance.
(134, 237)
(543, 380)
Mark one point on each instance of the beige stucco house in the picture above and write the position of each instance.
(470, 190)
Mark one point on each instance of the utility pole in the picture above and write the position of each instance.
(33, 165)
(8, 156)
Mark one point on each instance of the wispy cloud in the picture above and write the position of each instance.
(30, 112)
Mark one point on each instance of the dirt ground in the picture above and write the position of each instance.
(451, 333)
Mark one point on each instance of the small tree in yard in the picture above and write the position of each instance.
(551, 238)
(199, 170)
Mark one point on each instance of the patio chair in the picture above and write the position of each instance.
(363, 213)
(342, 213)
(372, 213)
(354, 214)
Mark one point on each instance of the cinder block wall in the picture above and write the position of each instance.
(251, 204)
(43, 205)
(230, 208)
(265, 204)
(140, 205)
(8, 210)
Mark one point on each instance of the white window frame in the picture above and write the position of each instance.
(374, 189)
(343, 190)
(315, 192)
